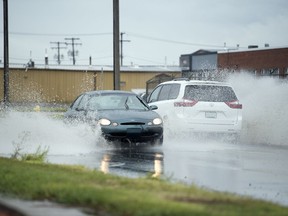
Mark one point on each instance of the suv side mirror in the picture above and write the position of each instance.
(153, 107)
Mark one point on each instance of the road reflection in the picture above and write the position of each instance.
(133, 160)
(104, 167)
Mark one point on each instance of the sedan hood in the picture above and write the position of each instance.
(122, 116)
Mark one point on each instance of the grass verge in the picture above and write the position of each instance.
(114, 195)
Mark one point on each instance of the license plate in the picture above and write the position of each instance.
(134, 130)
(211, 114)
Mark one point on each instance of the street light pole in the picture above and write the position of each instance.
(116, 59)
(6, 53)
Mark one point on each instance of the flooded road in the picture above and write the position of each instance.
(258, 171)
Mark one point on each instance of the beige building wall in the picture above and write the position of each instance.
(63, 86)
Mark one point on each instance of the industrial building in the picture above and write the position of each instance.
(261, 61)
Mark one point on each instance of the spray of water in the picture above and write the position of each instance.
(28, 131)
(265, 105)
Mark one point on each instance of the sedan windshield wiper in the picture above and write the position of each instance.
(126, 105)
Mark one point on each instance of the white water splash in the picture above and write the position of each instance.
(265, 106)
(31, 130)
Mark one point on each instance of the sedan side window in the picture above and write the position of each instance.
(83, 103)
(75, 104)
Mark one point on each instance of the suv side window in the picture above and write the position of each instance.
(154, 95)
(164, 94)
(169, 91)
(174, 91)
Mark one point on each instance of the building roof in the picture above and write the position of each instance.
(146, 68)
(202, 52)
(251, 49)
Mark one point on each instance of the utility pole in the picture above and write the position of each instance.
(116, 65)
(73, 47)
(6, 53)
(121, 42)
(58, 47)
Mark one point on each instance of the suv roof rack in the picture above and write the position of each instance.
(181, 79)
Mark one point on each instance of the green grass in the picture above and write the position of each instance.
(114, 195)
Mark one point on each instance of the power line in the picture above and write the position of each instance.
(60, 34)
(173, 41)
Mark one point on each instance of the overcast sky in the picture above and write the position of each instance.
(159, 31)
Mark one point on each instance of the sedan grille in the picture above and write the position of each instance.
(133, 123)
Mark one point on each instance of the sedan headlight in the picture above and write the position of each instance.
(157, 121)
(104, 122)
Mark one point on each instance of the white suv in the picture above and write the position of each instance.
(198, 106)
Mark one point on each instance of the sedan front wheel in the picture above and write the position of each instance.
(158, 142)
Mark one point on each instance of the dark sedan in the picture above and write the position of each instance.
(122, 116)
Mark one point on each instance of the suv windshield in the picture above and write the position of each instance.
(209, 93)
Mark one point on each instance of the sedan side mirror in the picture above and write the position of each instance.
(153, 107)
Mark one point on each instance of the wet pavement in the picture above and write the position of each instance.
(256, 171)
(259, 171)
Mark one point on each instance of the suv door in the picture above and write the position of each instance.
(163, 97)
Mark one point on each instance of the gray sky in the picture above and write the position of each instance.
(159, 30)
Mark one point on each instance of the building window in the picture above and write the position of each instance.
(270, 72)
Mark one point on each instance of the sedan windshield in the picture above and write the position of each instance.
(116, 102)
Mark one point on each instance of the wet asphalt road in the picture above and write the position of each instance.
(259, 171)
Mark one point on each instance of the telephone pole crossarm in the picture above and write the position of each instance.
(58, 47)
(73, 43)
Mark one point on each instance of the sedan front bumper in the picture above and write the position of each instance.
(133, 133)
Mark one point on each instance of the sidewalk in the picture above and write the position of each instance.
(16, 207)
(8, 211)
